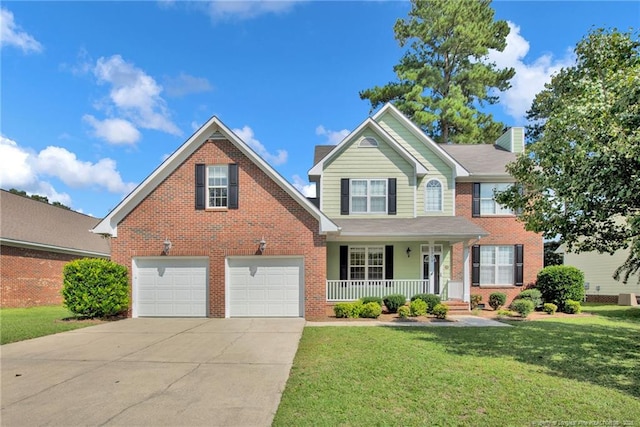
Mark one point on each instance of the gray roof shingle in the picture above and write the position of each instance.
(320, 152)
(480, 159)
(29, 221)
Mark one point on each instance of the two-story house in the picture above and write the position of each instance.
(215, 231)
(416, 216)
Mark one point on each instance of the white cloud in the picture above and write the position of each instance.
(307, 189)
(12, 35)
(220, 10)
(333, 137)
(135, 96)
(186, 84)
(114, 131)
(530, 76)
(26, 170)
(246, 134)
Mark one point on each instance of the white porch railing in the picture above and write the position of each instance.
(351, 290)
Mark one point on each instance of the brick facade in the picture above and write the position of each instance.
(264, 210)
(504, 230)
(30, 277)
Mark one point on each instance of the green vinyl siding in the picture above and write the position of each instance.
(380, 162)
(436, 167)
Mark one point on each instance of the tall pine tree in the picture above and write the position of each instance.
(444, 77)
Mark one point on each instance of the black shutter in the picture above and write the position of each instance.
(391, 210)
(475, 265)
(233, 186)
(388, 262)
(201, 173)
(518, 267)
(344, 196)
(475, 206)
(344, 265)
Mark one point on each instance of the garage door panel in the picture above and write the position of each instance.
(269, 287)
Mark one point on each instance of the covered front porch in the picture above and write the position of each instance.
(379, 257)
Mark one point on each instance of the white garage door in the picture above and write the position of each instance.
(170, 287)
(265, 287)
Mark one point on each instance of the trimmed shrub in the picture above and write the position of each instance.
(476, 299)
(394, 301)
(503, 312)
(440, 311)
(497, 300)
(95, 287)
(559, 283)
(418, 307)
(366, 300)
(524, 307)
(549, 308)
(572, 307)
(404, 312)
(533, 295)
(342, 309)
(431, 300)
(371, 310)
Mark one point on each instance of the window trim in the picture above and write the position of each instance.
(441, 195)
(496, 265)
(498, 210)
(209, 187)
(369, 196)
(366, 266)
(517, 266)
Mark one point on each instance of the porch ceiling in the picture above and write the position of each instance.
(448, 228)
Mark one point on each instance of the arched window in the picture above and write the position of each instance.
(433, 196)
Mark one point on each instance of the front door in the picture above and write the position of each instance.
(426, 271)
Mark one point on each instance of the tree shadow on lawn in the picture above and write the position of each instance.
(602, 355)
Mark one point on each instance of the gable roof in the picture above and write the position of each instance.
(481, 159)
(320, 151)
(215, 129)
(460, 171)
(29, 223)
(419, 168)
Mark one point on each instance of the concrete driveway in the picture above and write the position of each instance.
(151, 372)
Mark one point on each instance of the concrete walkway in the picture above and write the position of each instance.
(453, 321)
(151, 372)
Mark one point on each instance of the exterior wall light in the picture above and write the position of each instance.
(263, 245)
(167, 247)
(408, 252)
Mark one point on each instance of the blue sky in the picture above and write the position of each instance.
(95, 95)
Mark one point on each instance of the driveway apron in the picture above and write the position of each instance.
(151, 372)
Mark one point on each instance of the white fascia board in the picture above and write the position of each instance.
(51, 248)
(418, 133)
(500, 178)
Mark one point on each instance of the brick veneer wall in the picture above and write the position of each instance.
(31, 277)
(265, 210)
(504, 230)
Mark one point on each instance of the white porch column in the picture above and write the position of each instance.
(466, 274)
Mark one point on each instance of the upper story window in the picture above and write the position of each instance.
(217, 186)
(484, 199)
(433, 196)
(368, 195)
(368, 142)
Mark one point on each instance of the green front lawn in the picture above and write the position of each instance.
(17, 324)
(574, 369)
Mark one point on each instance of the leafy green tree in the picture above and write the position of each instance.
(550, 255)
(38, 197)
(444, 76)
(580, 175)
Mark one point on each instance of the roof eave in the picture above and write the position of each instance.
(52, 248)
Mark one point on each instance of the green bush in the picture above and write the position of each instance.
(418, 308)
(503, 312)
(394, 301)
(349, 310)
(431, 300)
(497, 300)
(572, 307)
(549, 308)
(404, 311)
(533, 295)
(476, 299)
(559, 283)
(95, 287)
(522, 306)
(371, 310)
(366, 300)
(440, 311)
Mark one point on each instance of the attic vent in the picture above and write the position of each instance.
(368, 142)
(217, 135)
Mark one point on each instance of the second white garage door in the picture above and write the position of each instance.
(264, 287)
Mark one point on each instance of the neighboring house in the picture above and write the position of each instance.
(36, 241)
(416, 216)
(216, 231)
(598, 269)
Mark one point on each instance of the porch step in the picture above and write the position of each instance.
(457, 306)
